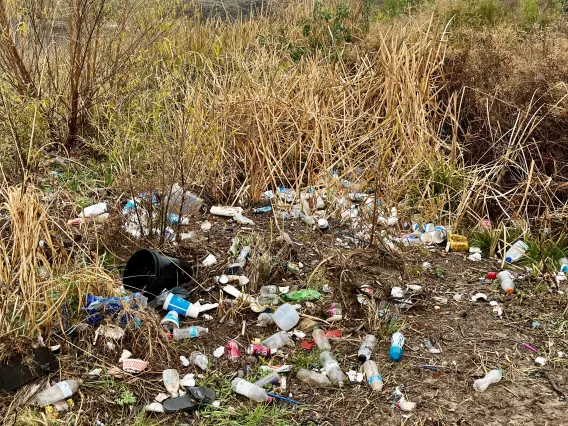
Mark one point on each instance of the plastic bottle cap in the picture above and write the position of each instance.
(362, 358)
(491, 275)
(395, 353)
(510, 291)
(508, 259)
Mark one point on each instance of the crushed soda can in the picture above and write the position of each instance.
(232, 350)
(259, 350)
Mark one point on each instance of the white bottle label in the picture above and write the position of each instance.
(64, 386)
(397, 339)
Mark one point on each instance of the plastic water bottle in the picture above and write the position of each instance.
(198, 359)
(373, 377)
(516, 251)
(271, 378)
(313, 378)
(58, 392)
(331, 367)
(250, 390)
(397, 343)
(506, 281)
(190, 332)
(264, 209)
(564, 265)
(264, 319)
(276, 341)
(321, 341)
(366, 348)
(494, 376)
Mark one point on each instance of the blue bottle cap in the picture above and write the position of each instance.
(395, 353)
(508, 259)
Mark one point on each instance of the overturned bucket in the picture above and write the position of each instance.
(150, 272)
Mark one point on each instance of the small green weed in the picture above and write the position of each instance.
(306, 359)
(252, 414)
(439, 272)
(126, 397)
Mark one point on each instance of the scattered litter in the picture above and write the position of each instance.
(134, 365)
(458, 297)
(540, 360)
(93, 374)
(355, 376)
(535, 324)
(125, 355)
(188, 381)
(206, 226)
(155, 407)
(475, 257)
(225, 211)
(478, 296)
(184, 361)
(475, 250)
(109, 331)
(397, 292)
(171, 381)
(431, 347)
(491, 377)
(529, 347)
(414, 287)
(161, 397)
(441, 300)
(209, 260)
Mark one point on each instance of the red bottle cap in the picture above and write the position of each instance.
(491, 275)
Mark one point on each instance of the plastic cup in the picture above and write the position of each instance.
(427, 237)
(171, 320)
(181, 306)
(428, 227)
(439, 234)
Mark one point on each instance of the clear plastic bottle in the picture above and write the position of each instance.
(198, 359)
(271, 378)
(331, 367)
(373, 377)
(264, 319)
(366, 348)
(516, 251)
(250, 390)
(397, 344)
(58, 392)
(276, 341)
(494, 376)
(171, 381)
(313, 378)
(189, 332)
(506, 281)
(321, 341)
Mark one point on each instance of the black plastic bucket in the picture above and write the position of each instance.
(150, 272)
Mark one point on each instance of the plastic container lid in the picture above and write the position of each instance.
(395, 353)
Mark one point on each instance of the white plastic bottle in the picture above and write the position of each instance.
(58, 392)
(94, 210)
(366, 348)
(331, 367)
(397, 345)
(276, 341)
(189, 332)
(373, 377)
(494, 376)
(198, 359)
(250, 390)
(321, 341)
(264, 319)
(313, 378)
(506, 281)
(516, 251)
(564, 265)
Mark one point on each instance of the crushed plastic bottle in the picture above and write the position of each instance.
(516, 251)
(271, 378)
(366, 348)
(494, 376)
(250, 390)
(331, 367)
(264, 319)
(397, 344)
(276, 341)
(198, 359)
(189, 332)
(320, 339)
(372, 373)
(264, 209)
(506, 281)
(171, 381)
(313, 378)
(59, 391)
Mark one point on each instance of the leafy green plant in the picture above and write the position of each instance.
(439, 272)
(325, 32)
(394, 8)
(126, 397)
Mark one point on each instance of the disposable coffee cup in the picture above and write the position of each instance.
(427, 237)
(171, 320)
(181, 306)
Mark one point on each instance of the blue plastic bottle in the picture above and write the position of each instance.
(397, 343)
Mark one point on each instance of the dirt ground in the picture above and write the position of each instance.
(472, 338)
